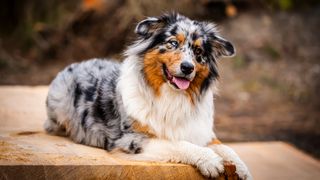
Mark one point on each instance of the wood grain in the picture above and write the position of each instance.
(27, 152)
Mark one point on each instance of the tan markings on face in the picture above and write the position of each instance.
(153, 61)
(202, 72)
(198, 43)
(181, 38)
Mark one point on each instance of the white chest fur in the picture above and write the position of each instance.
(172, 115)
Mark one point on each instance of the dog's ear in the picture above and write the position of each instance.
(148, 26)
(222, 47)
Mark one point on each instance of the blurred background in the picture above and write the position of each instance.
(268, 91)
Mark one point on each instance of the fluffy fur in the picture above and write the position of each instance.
(157, 104)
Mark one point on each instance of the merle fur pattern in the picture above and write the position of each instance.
(83, 101)
(83, 104)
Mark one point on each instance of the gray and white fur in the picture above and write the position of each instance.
(84, 104)
(93, 102)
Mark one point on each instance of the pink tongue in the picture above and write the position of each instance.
(181, 83)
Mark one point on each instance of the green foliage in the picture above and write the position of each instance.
(3, 63)
(281, 4)
(239, 62)
(18, 19)
(285, 4)
(272, 52)
(252, 86)
(273, 83)
(288, 90)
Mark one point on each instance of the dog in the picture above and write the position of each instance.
(157, 104)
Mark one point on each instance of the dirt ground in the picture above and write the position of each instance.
(268, 91)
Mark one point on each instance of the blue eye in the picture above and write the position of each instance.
(174, 43)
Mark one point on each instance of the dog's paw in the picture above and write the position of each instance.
(131, 143)
(229, 155)
(239, 168)
(209, 163)
(242, 171)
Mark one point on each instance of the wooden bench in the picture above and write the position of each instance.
(26, 152)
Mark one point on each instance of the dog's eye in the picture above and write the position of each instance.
(198, 51)
(173, 43)
(200, 60)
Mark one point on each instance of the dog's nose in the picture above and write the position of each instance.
(186, 68)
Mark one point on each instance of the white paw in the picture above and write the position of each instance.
(209, 163)
(242, 170)
(230, 156)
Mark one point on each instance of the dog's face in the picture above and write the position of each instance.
(180, 52)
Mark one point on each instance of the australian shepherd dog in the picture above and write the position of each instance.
(157, 104)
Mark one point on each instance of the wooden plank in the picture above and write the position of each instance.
(26, 152)
(277, 160)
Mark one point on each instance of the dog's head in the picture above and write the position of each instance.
(179, 51)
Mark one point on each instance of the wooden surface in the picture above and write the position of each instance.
(26, 152)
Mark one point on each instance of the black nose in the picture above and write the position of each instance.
(186, 68)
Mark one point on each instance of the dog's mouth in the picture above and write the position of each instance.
(178, 82)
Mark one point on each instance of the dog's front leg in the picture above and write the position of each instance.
(204, 158)
(229, 155)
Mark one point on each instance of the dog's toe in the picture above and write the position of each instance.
(131, 143)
